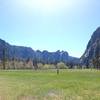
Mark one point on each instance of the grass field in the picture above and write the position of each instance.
(47, 85)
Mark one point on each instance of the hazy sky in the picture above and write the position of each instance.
(49, 24)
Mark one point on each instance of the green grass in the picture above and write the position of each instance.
(47, 85)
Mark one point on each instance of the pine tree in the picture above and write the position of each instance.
(4, 56)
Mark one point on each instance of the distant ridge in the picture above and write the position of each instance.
(24, 53)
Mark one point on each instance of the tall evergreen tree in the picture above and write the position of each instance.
(4, 56)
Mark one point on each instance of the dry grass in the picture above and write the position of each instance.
(47, 85)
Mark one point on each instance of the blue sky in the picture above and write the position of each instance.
(49, 24)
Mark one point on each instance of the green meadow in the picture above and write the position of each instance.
(47, 85)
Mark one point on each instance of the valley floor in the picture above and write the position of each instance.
(47, 85)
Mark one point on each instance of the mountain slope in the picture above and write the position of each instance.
(93, 49)
(24, 53)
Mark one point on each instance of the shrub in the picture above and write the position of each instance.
(61, 65)
(40, 66)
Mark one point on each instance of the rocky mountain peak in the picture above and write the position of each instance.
(92, 47)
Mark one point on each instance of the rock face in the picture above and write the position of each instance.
(24, 53)
(18, 52)
(93, 49)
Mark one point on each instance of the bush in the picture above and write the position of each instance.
(49, 66)
(61, 65)
(40, 66)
